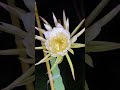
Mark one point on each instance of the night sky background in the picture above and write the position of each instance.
(106, 72)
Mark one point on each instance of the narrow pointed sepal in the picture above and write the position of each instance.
(43, 60)
(45, 21)
(74, 38)
(77, 45)
(39, 48)
(40, 30)
(64, 18)
(67, 24)
(71, 51)
(48, 27)
(39, 38)
(81, 32)
(55, 19)
(71, 65)
(77, 28)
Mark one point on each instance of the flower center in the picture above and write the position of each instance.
(58, 43)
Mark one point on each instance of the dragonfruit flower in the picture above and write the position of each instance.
(58, 41)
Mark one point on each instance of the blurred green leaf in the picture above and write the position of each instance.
(29, 4)
(86, 86)
(27, 80)
(29, 43)
(93, 31)
(28, 21)
(11, 51)
(107, 18)
(13, 10)
(12, 29)
(96, 12)
(100, 46)
(27, 60)
(88, 60)
(21, 78)
(27, 18)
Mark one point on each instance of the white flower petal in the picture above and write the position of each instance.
(38, 48)
(48, 27)
(81, 32)
(74, 39)
(55, 20)
(43, 60)
(64, 18)
(45, 21)
(55, 32)
(40, 30)
(77, 28)
(46, 51)
(67, 24)
(59, 26)
(62, 53)
(47, 34)
(71, 51)
(40, 38)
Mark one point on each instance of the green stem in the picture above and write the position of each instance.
(58, 82)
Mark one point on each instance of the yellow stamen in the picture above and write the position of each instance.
(58, 43)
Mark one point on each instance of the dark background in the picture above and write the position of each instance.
(106, 72)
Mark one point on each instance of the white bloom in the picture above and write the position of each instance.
(58, 41)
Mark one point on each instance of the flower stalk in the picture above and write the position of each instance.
(47, 63)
